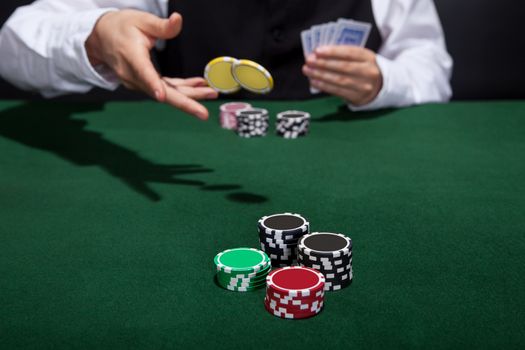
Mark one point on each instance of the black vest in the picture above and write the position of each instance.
(265, 31)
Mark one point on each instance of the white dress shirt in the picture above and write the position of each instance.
(42, 48)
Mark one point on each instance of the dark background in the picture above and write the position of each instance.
(485, 37)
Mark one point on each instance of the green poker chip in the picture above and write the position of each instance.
(242, 269)
(242, 285)
(245, 289)
(233, 281)
(241, 260)
(241, 276)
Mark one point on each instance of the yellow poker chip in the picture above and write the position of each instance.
(252, 76)
(218, 74)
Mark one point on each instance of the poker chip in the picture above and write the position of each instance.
(292, 124)
(252, 122)
(284, 312)
(227, 75)
(294, 292)
(228, 118)
(279, 235)
(218, 74)
(295, 302)
(329, 253)
(242, 269)
(252, 76)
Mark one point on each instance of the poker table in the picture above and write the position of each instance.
(111, 215)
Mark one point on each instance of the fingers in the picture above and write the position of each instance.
(195, 88)
(128, 39)
(336, 90)
(161, 28)
(179, 100)
(196, 81)
(345, 71)
(345, 52)
(198, 93)
(330, 77)
(337, 65)
(146, 76)
(358, 91)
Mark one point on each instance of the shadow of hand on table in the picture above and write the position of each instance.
(343, 114)
(52, 128)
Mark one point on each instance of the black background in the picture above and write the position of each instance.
(486, 38)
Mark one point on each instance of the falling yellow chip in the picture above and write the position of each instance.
(252, 76)
(218, 74)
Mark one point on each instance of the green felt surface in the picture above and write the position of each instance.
(111, 216)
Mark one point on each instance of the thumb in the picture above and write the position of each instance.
(161, 28)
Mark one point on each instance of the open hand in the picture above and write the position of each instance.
(123, 39)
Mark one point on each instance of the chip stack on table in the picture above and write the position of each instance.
(292, 124)
(294, 292)
(228, 118)
(279, 234)
(252, 122)
(228, 75)
(331, 254)
(242, 269)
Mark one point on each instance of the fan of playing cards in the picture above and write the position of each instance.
(342, 32)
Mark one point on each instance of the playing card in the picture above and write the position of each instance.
(306, 40)
(350, 32)
(324, 28)
(330, 33)
(311, 39)
(316, 36)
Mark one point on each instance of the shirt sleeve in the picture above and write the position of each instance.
(43, 45)
(413, 59)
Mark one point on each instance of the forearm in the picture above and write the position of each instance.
(43, 45)
(413, 60)
(44, 51)
(417, 76)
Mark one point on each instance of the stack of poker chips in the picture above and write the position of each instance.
(329, 253)
(228, 118)
(252, 122)
(294, 292)
(242, 269)
(292, 124)
(279, 234)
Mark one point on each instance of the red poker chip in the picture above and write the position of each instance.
(310, 307)
(234, 106)
(295, 281)
(285, 313)
(279, 295)
(288, 314)
(294, 302)
(228, 119)
(228, 122)
(291, 315)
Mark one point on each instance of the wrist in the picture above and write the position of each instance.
(93, 45)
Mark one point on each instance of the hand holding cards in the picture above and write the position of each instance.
(342, 32)
(337, 62)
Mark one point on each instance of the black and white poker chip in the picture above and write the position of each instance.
(279, 235)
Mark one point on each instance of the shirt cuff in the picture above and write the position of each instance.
(389, 95)
(72, 62)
